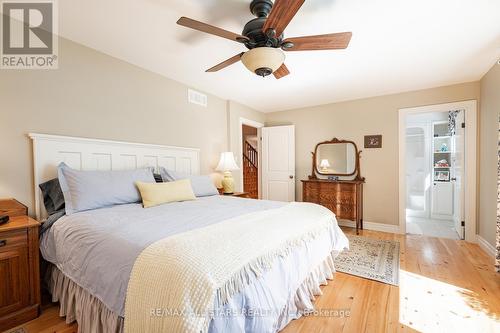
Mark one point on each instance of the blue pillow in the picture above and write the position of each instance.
(203, 186)
(84, 190)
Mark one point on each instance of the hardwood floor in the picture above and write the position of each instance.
(445, 286)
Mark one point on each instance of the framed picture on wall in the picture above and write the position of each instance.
(373, 141)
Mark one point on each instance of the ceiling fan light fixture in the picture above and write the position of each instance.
(263, 61)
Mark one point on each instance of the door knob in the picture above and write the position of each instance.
(291, 177)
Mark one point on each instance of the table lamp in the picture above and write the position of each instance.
(324, 165)
(226, 165)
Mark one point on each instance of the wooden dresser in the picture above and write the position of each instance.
(335, 181)
(19, 267)
(343, 197)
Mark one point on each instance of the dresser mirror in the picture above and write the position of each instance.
(336, 159)
(339, 158)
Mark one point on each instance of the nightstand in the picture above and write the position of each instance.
(12, 207)
(239, 194)
(19, 271)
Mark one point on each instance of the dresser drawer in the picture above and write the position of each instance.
(13, 239)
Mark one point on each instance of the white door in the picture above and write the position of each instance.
(278, 163)
(457, 175)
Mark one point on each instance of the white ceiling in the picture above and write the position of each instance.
(397, 45)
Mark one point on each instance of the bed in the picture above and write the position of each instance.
(93, 254)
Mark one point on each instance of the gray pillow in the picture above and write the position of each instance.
(84, 190)
(203, 186)
(53, 198)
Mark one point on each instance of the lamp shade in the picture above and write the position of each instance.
(227, 162)
(263, 60)
(324, 164)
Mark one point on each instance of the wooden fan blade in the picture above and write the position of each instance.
(225, 63)
(281, 14)
(210, 29)
(320, 42)
(281, 72)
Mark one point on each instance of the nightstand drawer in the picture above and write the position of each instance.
(12, 239)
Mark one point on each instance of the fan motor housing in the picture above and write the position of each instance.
(253, 28)
(257, 38)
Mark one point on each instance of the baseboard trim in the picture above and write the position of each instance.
(487, 247)
(372, 226)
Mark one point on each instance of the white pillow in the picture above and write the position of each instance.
(84, 190)
(203, 186)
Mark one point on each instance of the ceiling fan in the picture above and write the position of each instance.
(264, 38)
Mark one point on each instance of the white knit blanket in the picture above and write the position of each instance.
(175, 281)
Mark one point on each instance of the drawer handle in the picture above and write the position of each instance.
(3, 242)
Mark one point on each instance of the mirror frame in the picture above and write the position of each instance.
(357, 169)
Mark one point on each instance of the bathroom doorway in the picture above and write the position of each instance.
(431, 166)
(437, 171)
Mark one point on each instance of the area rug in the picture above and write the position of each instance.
(370, 258)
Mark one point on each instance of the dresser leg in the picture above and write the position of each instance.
(357, 226)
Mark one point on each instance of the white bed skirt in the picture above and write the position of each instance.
(92, 316)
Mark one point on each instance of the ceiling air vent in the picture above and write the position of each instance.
(196, 97)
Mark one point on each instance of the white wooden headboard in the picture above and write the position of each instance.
(95, 154)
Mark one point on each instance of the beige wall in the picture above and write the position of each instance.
(95, 95)
(98, 96)
(488, 138)
(354, 119)
(236, 112)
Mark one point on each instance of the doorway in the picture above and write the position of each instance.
(437, 170)
(250, 160)
(433, 170)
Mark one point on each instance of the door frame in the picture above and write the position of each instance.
(258, 126)
(470, 151)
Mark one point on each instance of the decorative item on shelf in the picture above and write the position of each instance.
(226, 165)
(441, 164)
(444, 148)
(442, 176)
(324, 165)
(373, 141)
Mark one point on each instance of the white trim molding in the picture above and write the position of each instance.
(470, 108)
(486, 246)
(392, 228)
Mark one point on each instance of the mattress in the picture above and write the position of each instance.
(97, 249)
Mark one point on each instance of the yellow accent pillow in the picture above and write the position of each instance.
(154, 194)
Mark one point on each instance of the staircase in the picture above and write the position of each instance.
(250, 170)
